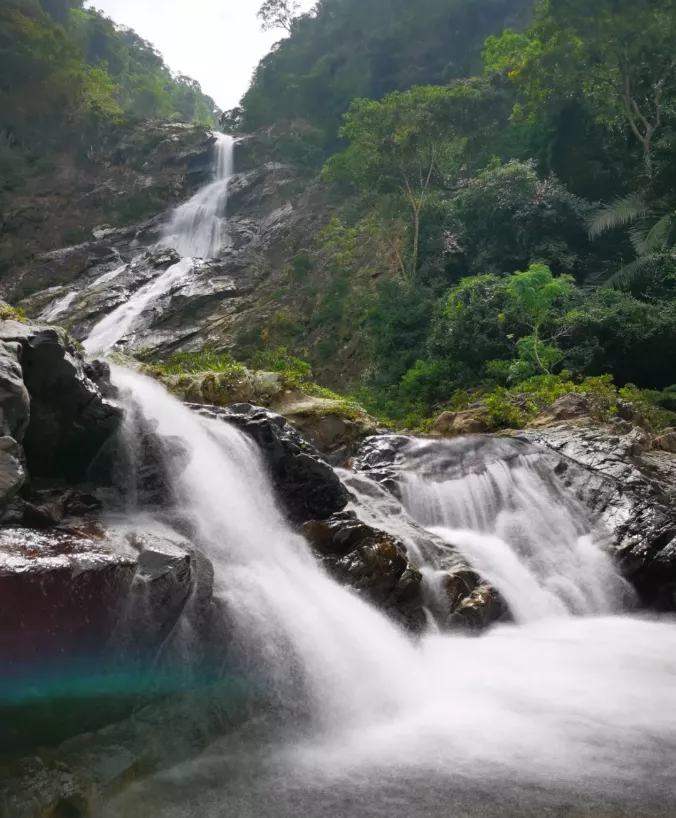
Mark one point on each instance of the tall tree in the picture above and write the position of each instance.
(403, 144)
(278, 14)
(617, 53)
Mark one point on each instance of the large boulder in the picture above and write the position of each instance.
(305, 483)
(14, 399)
(84, 610)
(70, 420)
(373, 563)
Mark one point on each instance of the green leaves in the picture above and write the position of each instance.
(536, 291)
(616, 54)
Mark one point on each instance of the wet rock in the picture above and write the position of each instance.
(386, 457)
(482, 608)
(80, 606)
(631, 490)
(12, 474)
(306, 485)
(14, 399)
(373, 563)
(70, 420)
(49, 507)
(459, 423)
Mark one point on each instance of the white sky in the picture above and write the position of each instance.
(217, 42)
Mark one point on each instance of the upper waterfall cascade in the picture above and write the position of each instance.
(197, 228)
(196, 231)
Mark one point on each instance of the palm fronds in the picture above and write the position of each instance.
(629, 273)
(618, 213)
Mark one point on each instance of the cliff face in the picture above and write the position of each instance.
(256, 294)
(136, 174)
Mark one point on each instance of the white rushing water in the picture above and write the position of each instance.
(558, 715)
(120, 321)
(196, 230)
(524, 535)
(58, 308)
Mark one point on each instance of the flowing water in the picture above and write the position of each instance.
(196, 231)
(58, 308)
(570, 711)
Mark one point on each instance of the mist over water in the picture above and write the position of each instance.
(570, 711)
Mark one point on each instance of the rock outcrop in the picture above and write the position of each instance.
(68, 419)
(631, 489)
(373, 563)
(79, 597)
(628, 488)
(306, 485)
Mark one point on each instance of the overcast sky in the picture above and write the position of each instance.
(217, 42)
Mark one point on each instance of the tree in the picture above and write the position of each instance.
(652, 231)
(278, 14)
(535, 293)
(506, 216)
(616, 53)
(400, 146)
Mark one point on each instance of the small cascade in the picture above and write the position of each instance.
(118, 323)
(524, 533)
(58, 308)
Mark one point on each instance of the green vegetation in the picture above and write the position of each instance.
(69, 79)
(8, 313)
(520, 405)
(68, 71)
(504, 179)
(191, 363)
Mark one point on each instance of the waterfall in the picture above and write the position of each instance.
(196, 230)
(58, 308)
(524, 534)
(570, 713)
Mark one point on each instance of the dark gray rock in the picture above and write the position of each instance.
(70, 419)
(82, 607)
(373, 563)
(12, 474)
(306, 485)
(631, 490)
(14, 399)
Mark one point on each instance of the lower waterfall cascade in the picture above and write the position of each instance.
(570, 710)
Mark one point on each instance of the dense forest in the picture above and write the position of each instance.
(506, 175)
(500, 173)
(70, 76)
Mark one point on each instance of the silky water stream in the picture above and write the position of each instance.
(569, 711)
